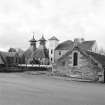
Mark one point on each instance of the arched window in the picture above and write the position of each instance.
(75, 59)
(51, 51)
(51, 59)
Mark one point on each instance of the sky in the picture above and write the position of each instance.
(65, 19)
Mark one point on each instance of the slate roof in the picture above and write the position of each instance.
(100, 58)
(28, 52)
(87, 44)
(3, 55)
(41, 53)
(53, 38)
(69, 45)
(66, 54)
(8, 54)
(65, 45)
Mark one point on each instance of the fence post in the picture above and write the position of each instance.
(53, 64)
(52, 68)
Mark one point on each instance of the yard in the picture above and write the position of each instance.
(24, 89)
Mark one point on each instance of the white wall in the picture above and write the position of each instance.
(52, 45)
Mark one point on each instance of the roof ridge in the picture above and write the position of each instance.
(64, 45)
(53, 38)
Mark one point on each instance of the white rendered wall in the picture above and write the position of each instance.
(52, 45)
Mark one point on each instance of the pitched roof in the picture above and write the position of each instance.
(8, 54)
(53, 38)
(100, 58)
(3, 56)
(65, 45)
(28, 52)
(40, 53)
(67, 53)
(87, 44)
(69, 45)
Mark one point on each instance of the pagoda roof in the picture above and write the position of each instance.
(33, 39)
(42, 38)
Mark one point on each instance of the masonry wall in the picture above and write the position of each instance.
(57, 55)
(86, 68)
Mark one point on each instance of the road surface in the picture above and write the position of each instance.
(24, 89)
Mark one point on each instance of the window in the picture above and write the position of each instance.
(51, 59)
(51, 51)
(75, 59)
(63, 63)
(59, 52)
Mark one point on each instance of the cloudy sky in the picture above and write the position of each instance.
(65, 19)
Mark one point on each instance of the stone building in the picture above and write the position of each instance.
(8, 59)
(79, 59)
(37, 55)
(41, 53)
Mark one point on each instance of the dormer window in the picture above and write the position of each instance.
(75, 59)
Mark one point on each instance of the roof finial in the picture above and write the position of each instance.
(33, 35)
(33, 39)
(42, 38)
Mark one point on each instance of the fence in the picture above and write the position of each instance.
(33, 67)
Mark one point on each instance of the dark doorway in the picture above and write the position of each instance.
(75, 59)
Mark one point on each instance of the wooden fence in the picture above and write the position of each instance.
(33, 67)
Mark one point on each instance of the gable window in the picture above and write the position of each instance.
(75, 59)
(59, 52)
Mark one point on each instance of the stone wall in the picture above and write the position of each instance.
(86, 69)
(57, 56)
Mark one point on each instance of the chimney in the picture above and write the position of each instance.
(76, 42)
(82, 40)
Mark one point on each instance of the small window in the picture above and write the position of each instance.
(51, 59)
(51, 51)
(59, 52)
(63, 63)
(75, 59)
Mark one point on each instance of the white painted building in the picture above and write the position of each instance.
(53, 42)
